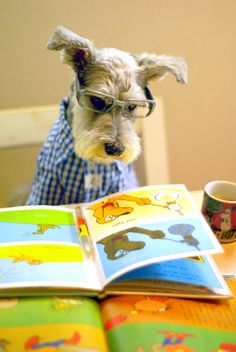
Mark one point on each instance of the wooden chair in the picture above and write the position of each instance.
(154, 158)
(22, 133)
(24, 130)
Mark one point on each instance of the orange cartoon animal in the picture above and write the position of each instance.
(23, 257)
(110, 209)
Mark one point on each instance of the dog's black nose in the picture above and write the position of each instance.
(114, 149)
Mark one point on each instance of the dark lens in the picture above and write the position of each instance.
(131, 107)
(98, 103)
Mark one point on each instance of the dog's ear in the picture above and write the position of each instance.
(158, 66)
(76, 50)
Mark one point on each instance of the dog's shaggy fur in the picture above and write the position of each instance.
(112, 72)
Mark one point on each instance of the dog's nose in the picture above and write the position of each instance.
(114, 149)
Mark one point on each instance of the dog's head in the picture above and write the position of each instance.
(109, 93)
(109, 211)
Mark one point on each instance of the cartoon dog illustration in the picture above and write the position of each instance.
(41, 228)
(23, 257)
(110, 209)
(118, 245)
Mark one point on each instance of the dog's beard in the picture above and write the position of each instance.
(91, 133)
(90, 147)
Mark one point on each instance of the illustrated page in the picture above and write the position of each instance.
(51, 324)
(40, 246)
(152, 323)
(147, 225)
(198, 274)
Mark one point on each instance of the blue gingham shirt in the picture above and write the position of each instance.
(64, 178)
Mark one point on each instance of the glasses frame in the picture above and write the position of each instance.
(80, 93)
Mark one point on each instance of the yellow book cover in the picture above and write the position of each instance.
(133, 323)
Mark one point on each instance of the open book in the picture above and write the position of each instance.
(150, 240)
(133, 323)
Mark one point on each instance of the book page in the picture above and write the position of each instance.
(51, 324)
(40, 247)
(148, 323)
(193, 276)
(147, 225)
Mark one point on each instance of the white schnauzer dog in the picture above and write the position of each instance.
(90, 149)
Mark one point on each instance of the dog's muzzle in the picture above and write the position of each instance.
(114, 149)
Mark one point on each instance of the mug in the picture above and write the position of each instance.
(219, 209)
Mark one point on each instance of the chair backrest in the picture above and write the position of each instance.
(22, 134)
(155, 147)
(24, 130)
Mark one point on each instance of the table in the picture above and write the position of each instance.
(226, 261)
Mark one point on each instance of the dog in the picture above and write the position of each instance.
(90, 149)
(110, 210)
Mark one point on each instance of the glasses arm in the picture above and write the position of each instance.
(148, 94)
(77, 84)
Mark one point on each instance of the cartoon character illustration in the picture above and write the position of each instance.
(169, 200)
(184, 230)
(173, 342)
(34, 344)
(153, 305)
(118, 245)
(225, 224)
(22, 257)
(41, 228)
(115, 321)
(110, 209)
(65, 303)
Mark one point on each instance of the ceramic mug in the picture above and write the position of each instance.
(219, 209)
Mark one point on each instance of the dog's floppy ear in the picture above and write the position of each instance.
(76, 50)
(158, 66)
